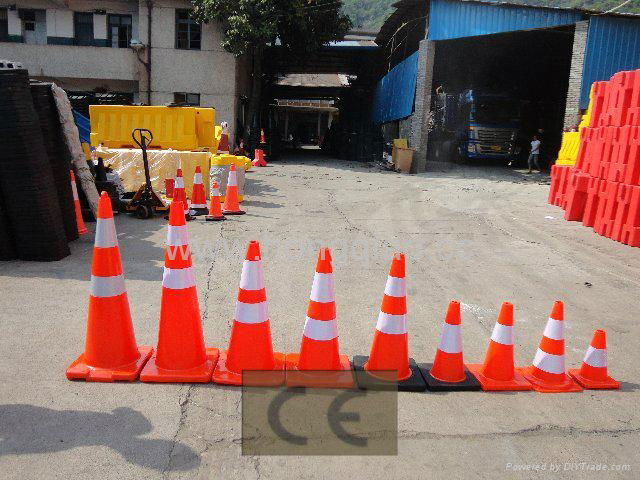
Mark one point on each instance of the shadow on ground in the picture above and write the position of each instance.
(27, 429)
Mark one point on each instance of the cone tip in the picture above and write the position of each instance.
(599, 339)
(324, 261)
(253, 251)
(453, 313)
(179, 173)
(73, 176)
(505, 316)
(176, 214)
(397, 266)
(104, 206)
(557, 312)
(216, 185)
(198, 169)
(233, 167)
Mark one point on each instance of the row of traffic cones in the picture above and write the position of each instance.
(181, 355)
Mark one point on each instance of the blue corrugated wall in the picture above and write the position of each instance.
(396, 91)
(613, 44)
(455, 19)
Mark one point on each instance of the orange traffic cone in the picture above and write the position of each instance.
(198, 197)
(497, 372)
(179, 194)
(215, 210)
(223, 145)
(259, 160)
(593, 372)
(547, 374)
(231, 205)
(110, 351)
(319, 363)
(181, 355)
(389, 358)
(448, 371)
(82, 229)
(250, 347)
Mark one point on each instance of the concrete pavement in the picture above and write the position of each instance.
(478, 235)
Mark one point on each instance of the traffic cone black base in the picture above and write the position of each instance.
(235, 212)
(80, 370)
(469, 384)
(366, 381)
(197, 212)
(211, 218)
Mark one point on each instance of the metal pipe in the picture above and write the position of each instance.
(148, 64)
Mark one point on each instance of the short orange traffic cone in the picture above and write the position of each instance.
(593, 373)
(181, 355)
(198, 198)
(110, 351)
(548, 374)
(215, 210)
(448, 371)
(259, 160)
(82, 229)
(263, 139)
(498, 372)
(231, 205)
(223, 145)
(319, 363)
(250, 347)
(389, 358)
(179, 194)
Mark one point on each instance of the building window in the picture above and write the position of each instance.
(83, 25)
(4, 25)
(34, 26)
(183, 98)
(187, 31)
(119, 31)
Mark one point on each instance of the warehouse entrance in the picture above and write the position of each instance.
(494, 92)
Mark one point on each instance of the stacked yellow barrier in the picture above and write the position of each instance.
(568, 153)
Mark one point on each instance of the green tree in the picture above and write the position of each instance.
(299, 26)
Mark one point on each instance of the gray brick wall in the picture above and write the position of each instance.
(419, 135)
(572, 109)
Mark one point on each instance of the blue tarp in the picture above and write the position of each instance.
(84, 129)
(396, 91)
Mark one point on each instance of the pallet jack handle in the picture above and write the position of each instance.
(143, 140)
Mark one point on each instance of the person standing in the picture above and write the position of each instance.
(534, 155)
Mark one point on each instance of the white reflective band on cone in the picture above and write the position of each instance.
(74, 190)
(198, 205)
(215, 192)
(596, 357)
(322, 290)
(178, 182)
(178, 278)
(451, 339)
(554, 329)
(251, 312)
(197, 179)
(395, 287)
(252, 277)
(549, 363)
(233, 180)
(107, 286)
(392, 324)
(502, 334)
(105, 233)
(177, 236)
(320, 329)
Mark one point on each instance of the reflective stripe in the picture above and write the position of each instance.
(393, 324)
(451, 339)
(106, 233)
(502, 334)
(549, 363)
(177, 279)
(322, 290)
(197, 179)
(215, 192)
(596, 357)
(198, 205)
(554, 329)
(74, 190)
(251, 312)
(396, 287)
(177, 236)
(252, 277)
(320, 329)
(107, 286)
(233, 180)
(178, 182)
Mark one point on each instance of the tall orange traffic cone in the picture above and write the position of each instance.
(215, 210)
(389, 359)
(593, 373)
(231, 205)
(110, 351)
(319, 363)
(250, 347)
(548, 374)
(82, 229)
(498, 373)
(198, 198)
(179, 193)
(448, 371)
(181, 355)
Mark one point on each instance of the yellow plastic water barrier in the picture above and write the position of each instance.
(569, 148)
(178, 128)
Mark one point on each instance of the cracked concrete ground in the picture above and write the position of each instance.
(479, 235)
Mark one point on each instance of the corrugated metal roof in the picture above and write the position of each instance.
(313, 80)
(613, 44)
(456, 19)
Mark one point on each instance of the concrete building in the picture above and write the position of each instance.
(151, 50)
